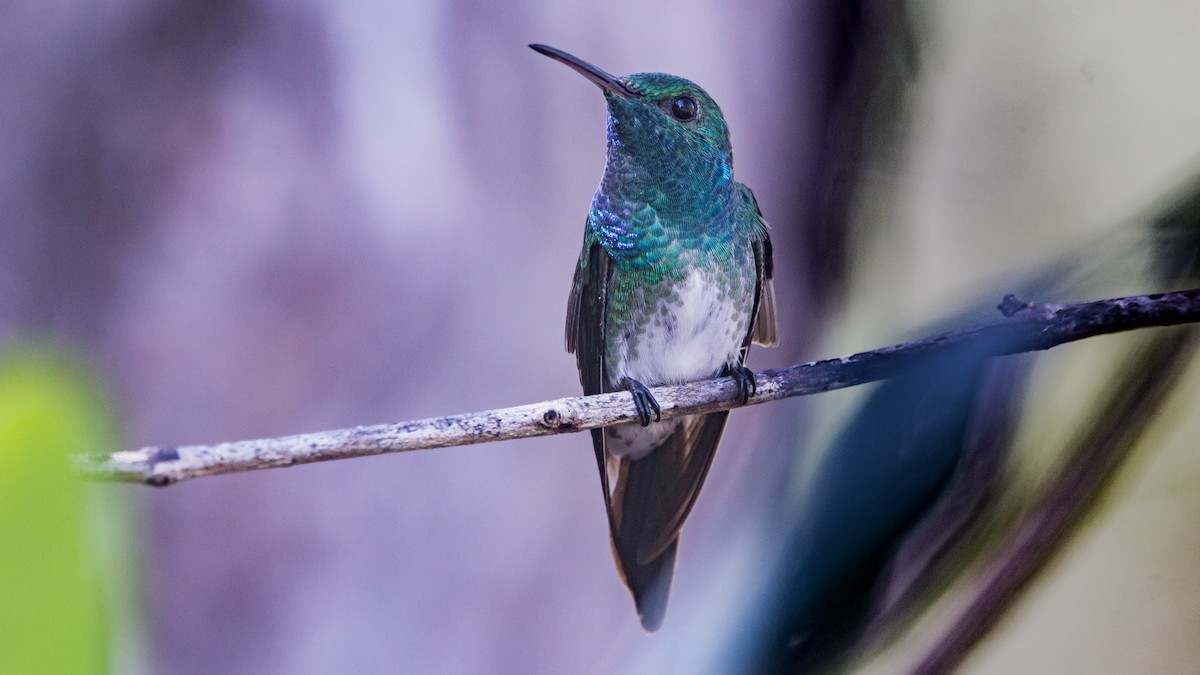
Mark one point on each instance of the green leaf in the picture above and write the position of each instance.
(53, 616)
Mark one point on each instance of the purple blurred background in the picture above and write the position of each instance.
(265, 217)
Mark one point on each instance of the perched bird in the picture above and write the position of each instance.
(673, 284)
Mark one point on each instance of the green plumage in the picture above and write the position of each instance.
(673, 283)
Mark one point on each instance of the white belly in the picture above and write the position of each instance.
(690, 336)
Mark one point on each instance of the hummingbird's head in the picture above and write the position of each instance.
(664, 125)
(669, 111)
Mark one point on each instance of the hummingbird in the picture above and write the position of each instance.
(672, 286)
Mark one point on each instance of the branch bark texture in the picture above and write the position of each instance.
(1025, 327)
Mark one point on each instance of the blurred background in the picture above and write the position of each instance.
(245, 218)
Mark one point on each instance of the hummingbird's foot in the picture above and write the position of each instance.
(643, 400)
(743, 377)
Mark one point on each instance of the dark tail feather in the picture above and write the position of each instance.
(650, 585)
(648, 579)
(651, 499)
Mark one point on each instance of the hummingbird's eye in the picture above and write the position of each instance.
(683, 108)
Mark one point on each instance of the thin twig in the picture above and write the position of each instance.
(1027, 327)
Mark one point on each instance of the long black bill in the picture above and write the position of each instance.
(602, 79)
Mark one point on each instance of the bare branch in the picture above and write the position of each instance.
(1028, 327)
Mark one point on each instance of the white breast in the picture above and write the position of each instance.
(690, 336)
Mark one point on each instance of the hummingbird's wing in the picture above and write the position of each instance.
(765, 329)
(585, 334)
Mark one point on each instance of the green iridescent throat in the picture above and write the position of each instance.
(668, 185)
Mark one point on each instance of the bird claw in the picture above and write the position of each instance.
(643, 400)
(743, 377)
